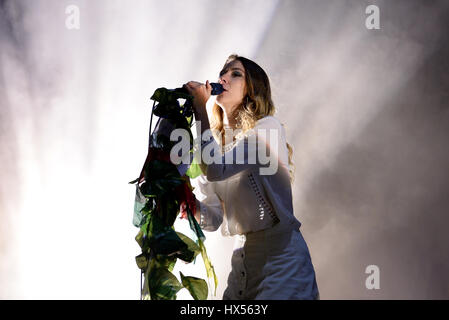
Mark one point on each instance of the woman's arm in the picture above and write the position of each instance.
(201, 94)
(209, 207)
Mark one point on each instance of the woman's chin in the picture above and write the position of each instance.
(220, 99)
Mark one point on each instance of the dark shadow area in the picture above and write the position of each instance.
(384, 201)
(381, 198)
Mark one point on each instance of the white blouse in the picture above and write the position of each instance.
(249, 188)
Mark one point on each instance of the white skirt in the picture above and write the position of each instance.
(272, 264)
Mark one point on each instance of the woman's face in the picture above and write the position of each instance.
(232, 78)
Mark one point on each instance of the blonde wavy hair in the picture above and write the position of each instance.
(255, 105)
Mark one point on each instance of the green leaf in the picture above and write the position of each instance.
(155, 226)
(160, 283)
(209, 268)
(139, 203)
(139, 238)
(160, 94)
(192, 250)
(162, 170)
(169, 109)
(160, 178)
(168, 209)
(134, 181)
(156, 207)
(167, 262)
(196, 286)
(168, 244)
(195, 226)
(163, 142)
(199, 233)
(142, 261)
(194, 170)
(164, 240)
(179, 94)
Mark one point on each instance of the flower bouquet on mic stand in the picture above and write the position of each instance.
(163, 191)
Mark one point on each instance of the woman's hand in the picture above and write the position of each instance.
(201, 93)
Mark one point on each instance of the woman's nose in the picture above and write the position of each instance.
(222, 80)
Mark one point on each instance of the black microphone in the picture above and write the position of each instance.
(217, 88)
